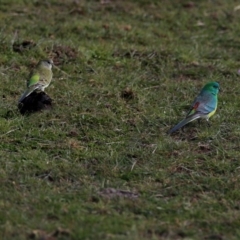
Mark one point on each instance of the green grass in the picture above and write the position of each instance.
(100, 165)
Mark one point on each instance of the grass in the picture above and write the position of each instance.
(100, 165)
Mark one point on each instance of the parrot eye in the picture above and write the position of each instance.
(216, 86)
(49, 62)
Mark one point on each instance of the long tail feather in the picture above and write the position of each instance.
(25, 94)
(28, 92)
(184, 122)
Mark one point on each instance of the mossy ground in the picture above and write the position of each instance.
(100, 164)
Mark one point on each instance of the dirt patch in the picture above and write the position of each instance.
(40, 234)
(118, 193)
(61, 54)
(36, 101)
(24, 45)
(127, 94)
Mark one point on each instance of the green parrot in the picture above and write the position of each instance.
(204, 105)
(39, 78)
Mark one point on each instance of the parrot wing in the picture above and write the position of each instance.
(203, 104)
(32, 85)
(33, 79)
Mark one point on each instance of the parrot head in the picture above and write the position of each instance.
(212, 87)
(47, 63)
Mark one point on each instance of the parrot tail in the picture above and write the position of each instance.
(28, 92)
(184, 122)
(25, 94)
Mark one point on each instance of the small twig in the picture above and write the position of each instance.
(154, 150)
(151, 55)
(113, 143)
(187, 169)
(15, 35)
(134, 163)
(61, 71)
(9, 132)
(157, 86)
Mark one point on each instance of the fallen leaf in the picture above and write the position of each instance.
(237, 8)
(105, 1)
(127, 27)
(188, 5)
(200, 24)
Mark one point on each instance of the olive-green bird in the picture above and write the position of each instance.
(39, 78)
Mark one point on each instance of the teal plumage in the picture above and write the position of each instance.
(204, 105)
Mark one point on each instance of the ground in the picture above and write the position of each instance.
(99, 164)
